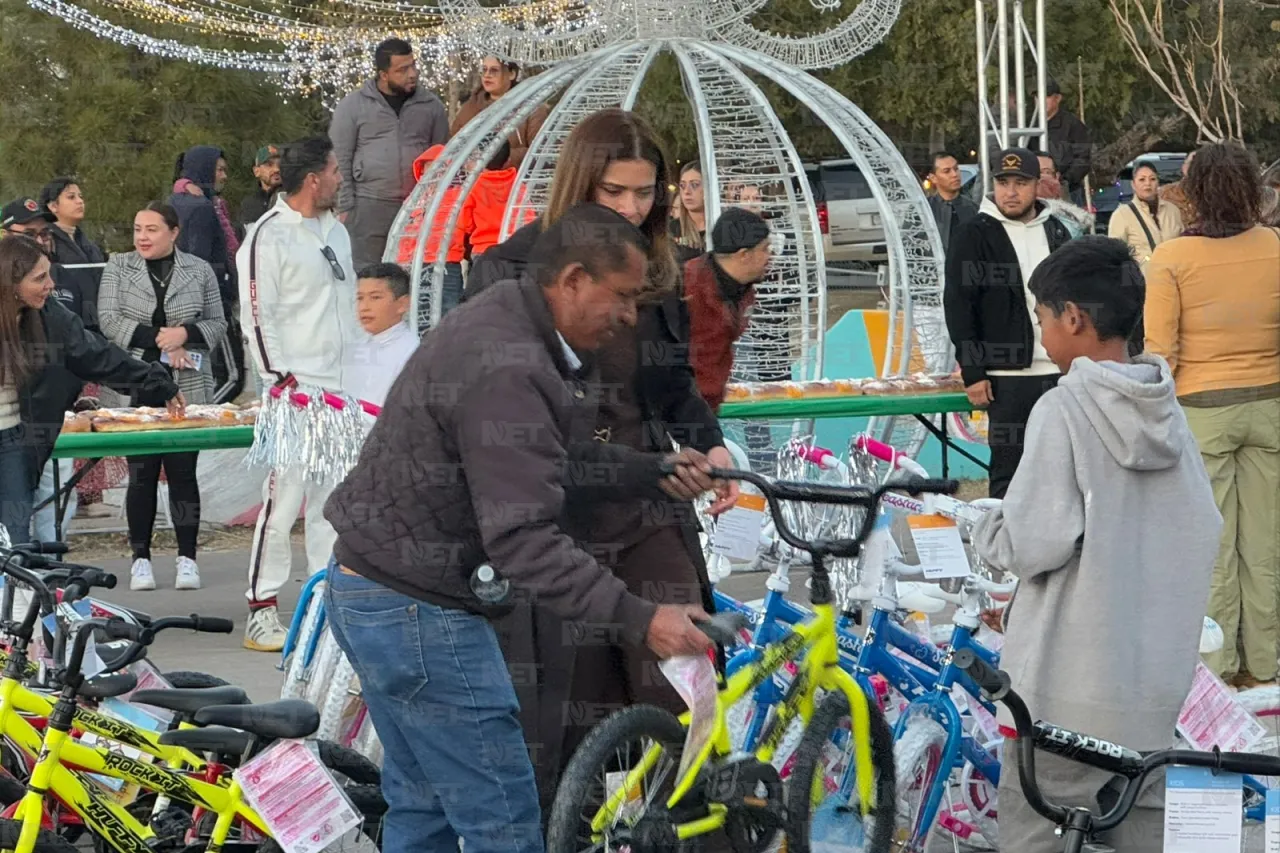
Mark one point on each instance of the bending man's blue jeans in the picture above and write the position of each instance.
(455, 762)
(15, 484)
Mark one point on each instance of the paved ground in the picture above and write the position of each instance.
(223, 576)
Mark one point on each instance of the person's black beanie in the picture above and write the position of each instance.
(738, 229)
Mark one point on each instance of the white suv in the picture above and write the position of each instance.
(848, 213)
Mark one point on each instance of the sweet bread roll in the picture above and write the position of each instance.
(876, 388)
(822, 388)
(734, 392)
(768, 391)
(77, 422)
(849, 387)
(901, 386)
(793, 390)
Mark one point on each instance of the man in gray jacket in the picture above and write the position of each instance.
(378, 131)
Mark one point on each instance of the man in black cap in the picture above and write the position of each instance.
(991, 313)
(27, 217)
(719, 291)
(1069, 143)
(266, 168)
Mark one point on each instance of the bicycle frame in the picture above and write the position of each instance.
(958, 747)
(110, 820)
(812, 644)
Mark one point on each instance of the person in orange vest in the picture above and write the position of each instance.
(457, 247)
(486, 204)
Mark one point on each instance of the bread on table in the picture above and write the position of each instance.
(148, 418)
(77, 422)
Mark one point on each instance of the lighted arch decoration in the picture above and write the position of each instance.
(741, 141)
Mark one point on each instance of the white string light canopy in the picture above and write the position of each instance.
(602, 63)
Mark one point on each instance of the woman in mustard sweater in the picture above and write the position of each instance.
(1213, 311)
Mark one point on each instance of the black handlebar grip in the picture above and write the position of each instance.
(212, 624)
(1249, 763)
(992, 681)
(108, 581)
(920, 485)
(724, 627)
(52, 548)
(118, 629)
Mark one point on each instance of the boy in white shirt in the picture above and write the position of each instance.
(382, 303)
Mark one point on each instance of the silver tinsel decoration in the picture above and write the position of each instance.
(308, 431)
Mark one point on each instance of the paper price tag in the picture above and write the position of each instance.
(1203, 813)
(737, 532)
(1212, 716)
(939, 546)
(1272, 844)
(296, 796)
(694, 678)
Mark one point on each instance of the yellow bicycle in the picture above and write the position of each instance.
(62, 762)
(628, 786)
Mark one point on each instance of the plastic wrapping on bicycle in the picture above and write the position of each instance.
(724, 628)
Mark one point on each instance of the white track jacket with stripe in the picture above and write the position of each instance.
(298, 314)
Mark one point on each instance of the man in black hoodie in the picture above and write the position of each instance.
(202, 234)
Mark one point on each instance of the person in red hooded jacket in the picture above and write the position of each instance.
(456, 249)
(486, 204)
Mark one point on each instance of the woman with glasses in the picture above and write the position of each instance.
(497, 78)
(690, 229)
(647, 398)
(164, 306)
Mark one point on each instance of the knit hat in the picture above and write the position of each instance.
(738, 229)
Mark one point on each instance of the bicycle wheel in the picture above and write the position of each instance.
(596, 771)
(823, 757)
(46, 841)
(979, 797)
(918, 764)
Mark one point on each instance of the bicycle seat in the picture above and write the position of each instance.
(106, 686)
(287, 718)
(188, 700)
(218, 739)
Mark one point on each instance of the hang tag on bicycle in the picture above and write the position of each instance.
(1203, 812)
(939, 546)
(737, 531)
(296, 796)
(694, 678)
(1212, 716)
(149, 678)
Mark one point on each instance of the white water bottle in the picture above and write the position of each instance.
(487, 586)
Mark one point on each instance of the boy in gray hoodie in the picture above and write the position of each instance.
(1111, 526)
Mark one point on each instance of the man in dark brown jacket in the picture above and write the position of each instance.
(456, 513)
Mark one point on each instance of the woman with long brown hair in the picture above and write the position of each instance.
(45, 357)
(647, 398)
(1213, 312)
(690, 230)
(497, 78)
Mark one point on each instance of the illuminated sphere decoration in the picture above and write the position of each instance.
(603, 63)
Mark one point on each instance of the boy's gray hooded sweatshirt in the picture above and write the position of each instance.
(1111, 526)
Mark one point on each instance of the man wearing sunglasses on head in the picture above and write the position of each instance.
(297, 309)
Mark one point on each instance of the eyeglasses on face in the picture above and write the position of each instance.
(692, 186)
(334, 266)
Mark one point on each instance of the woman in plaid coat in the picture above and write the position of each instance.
(164, 306)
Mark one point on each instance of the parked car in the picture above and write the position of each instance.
(1106, 199)
(848, 213)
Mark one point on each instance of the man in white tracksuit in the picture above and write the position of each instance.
(297, 307)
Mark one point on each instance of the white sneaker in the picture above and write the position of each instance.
(140, 576)
(263, 632)
(188, 574)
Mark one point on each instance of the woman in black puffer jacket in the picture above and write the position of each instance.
(648, 398)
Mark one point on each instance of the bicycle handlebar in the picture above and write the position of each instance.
(141, 635)
(775, 491)
(1094, 752)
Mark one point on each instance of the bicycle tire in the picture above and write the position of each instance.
(348, 762)
(597, 750)
(46, 841)
(186, 678)
(809, 760)
(982, 815)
